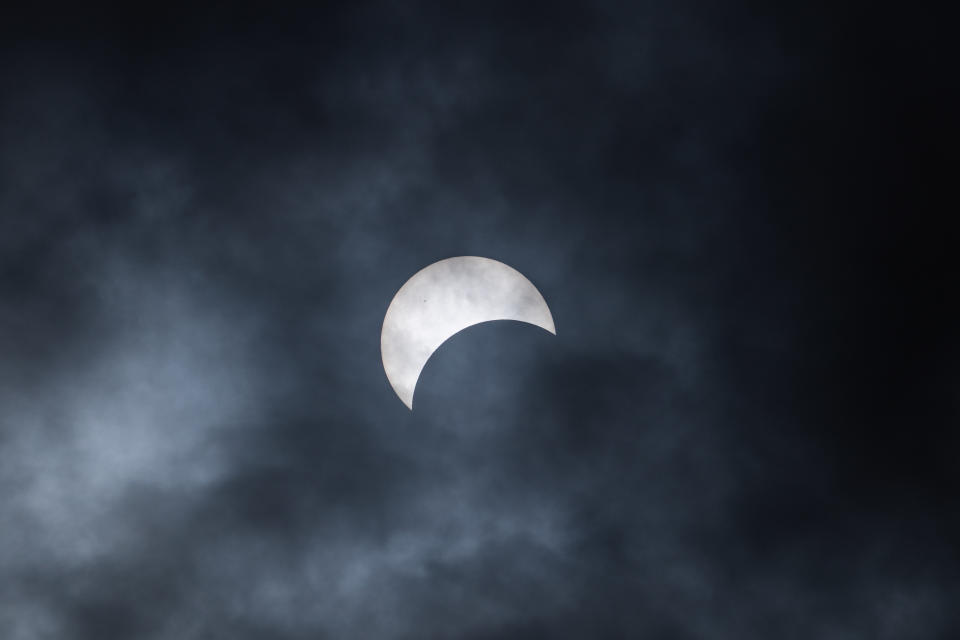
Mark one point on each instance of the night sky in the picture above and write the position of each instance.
(746, 425)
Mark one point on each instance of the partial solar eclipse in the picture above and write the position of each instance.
(445, 298)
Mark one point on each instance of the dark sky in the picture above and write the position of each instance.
(746, 426)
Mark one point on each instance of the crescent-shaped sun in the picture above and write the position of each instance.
(445, 298)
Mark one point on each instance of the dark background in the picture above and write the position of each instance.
(746, 426)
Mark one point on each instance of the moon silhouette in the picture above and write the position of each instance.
(447, 297)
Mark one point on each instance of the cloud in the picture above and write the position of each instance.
(201, 239)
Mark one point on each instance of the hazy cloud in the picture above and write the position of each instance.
(739, 430)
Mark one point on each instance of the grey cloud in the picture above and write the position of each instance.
(202, 235)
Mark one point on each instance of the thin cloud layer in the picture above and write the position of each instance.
(737, 432)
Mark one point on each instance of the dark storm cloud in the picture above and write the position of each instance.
(206, 216)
